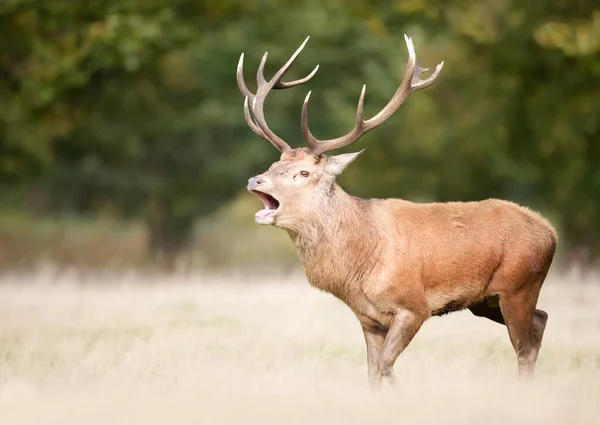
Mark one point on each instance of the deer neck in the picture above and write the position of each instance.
(337, 239)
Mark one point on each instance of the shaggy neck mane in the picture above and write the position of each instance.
(339, 223)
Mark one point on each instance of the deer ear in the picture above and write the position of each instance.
(336, 164)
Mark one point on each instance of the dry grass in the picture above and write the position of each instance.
(218, 351)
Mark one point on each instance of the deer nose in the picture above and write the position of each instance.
(254, 182)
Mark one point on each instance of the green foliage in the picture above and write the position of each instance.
(130, 108)
(514, 115)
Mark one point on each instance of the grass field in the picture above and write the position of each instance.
(230, 351)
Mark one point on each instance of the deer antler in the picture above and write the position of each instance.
(255, 102)
(410, 83)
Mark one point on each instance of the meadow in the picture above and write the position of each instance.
(236, 349)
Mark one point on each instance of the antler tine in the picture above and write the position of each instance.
(410, 83)
(318, 147)
(240, 79)
(251, 122)
(286, 85)
(260, 73)
(255, 102)
(267, 134)
(249, 96)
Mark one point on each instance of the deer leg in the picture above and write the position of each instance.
(540, 317)
(403, 328)
(525, 328)
(374, 338)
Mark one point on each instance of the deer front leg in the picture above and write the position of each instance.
(374, 338)
(403, 328)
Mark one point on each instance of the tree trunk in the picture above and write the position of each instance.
(168, 238)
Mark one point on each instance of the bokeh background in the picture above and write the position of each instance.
(123, 143)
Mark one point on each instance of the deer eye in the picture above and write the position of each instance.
(304, 173)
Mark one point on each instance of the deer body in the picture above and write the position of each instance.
(396, 263)
(434, 258)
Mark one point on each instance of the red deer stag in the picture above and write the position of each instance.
(397, 263)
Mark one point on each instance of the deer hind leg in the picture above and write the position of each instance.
(540, 317)
(525, 325)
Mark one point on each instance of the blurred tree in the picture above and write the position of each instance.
(131, 107)
(546, 59)
(127, 106)
(517, 114)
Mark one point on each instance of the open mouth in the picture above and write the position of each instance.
(267, 214)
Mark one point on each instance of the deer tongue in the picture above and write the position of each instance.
(265, 216)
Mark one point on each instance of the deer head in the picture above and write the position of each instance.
(303, 180)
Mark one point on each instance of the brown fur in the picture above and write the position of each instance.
(397, 263)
